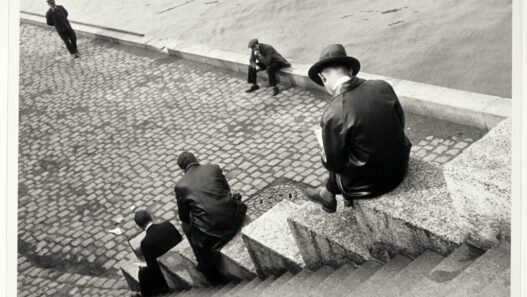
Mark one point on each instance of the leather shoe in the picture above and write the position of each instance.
(276, 91)
(329, 206)
(253, 88)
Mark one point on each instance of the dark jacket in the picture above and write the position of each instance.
(159, 239)
(58, 17)
(268, 55)
(205, 205)
(364, 139)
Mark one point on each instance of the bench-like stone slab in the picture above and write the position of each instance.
(419, 214)
(479, 181)
(328, 239)
(271, 243)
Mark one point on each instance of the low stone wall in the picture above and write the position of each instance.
(472, 109)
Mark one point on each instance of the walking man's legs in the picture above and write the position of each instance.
(70, 39)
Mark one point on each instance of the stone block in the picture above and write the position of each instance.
(328, 239)
(271, 243)
(182, 255)
(479, 181)
(130, 272)
(191, 51)
(236, 261)
(417, 215)
(157, 44)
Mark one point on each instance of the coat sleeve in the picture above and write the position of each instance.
(334, 136)
(223, 179)
(65, 11)
(267, 55)
(183, 211)
(398, 109)
(49, 18)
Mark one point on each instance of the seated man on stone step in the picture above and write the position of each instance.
(210, 214)
(365, 148)
(159, 239)
(264, 57)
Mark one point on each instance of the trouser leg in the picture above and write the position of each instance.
(251, 76)
(331, 183)
(64, 36)
(272, 69)
(73, 40)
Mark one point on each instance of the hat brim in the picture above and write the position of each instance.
(347, 61)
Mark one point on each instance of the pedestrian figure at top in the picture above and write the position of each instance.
(210, 214)
(264, 57)
(366, 151)
(57, 16)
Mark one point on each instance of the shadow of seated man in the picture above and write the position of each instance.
(210, 214)
(159, 239)
(365, 148)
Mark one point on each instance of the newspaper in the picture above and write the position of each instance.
(318, 134)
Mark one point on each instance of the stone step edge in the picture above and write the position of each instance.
(458, 106)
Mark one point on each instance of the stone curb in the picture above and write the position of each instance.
(462, 107)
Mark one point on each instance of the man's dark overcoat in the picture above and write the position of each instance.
(364, 138)
(269, 55)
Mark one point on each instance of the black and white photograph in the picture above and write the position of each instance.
(244, 148)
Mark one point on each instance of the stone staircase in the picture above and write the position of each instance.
(465, 272)
(425, 238)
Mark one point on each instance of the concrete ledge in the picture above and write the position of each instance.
(479, 181)
(328, 239)
(467, 108)
(271, 244)
(417, 215)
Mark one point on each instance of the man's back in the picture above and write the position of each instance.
(204, 197)
(159, 239)
(374, 148)
(58, 17)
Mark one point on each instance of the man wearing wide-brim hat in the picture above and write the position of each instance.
(366, 151)
(264, 57)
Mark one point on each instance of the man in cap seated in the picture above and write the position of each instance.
(210, 215)
(159, 239)
(264, 57)
(365, 148)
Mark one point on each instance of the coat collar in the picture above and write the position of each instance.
(191, 165)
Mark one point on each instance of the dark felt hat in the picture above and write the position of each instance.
(334, 53)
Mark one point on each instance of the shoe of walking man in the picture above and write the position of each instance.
(57, 16)
(366, 151)
(264, 57)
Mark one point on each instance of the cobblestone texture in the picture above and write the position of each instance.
(99, 137)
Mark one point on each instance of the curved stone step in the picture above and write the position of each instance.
(374, 282)
(261, 287)
(270, 242)
(480, 273)
(275, 285)
(333, 280)
(449, 268)
(358, 276)
(499, 287)
(293, 283)
(407, 277)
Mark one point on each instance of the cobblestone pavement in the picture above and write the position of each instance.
(99, 138)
